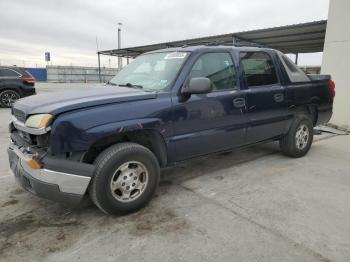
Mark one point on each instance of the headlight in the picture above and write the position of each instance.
(39, 121)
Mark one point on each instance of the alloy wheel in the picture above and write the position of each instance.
(302, 136)
(129, 181)
(9, 97)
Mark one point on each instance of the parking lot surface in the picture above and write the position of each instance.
(249, 205)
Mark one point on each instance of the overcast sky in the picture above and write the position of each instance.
(68, 29)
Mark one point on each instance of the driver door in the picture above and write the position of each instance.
(211, 122)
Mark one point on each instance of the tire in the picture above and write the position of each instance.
(8, 97)
(297, 142)
(125, 179)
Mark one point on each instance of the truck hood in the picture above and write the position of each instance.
(63, 101)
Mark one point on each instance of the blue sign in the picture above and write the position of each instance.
(47, 56)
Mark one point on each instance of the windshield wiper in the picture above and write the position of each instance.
(112, 84)
(132, 85)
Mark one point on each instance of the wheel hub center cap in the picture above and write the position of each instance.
(129, 181)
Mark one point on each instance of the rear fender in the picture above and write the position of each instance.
(309, 110)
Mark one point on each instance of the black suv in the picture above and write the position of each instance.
(15, 83)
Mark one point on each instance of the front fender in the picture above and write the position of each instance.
(69, 138)
(125, 126)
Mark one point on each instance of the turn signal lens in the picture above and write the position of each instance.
(33, 164)
(46, 120)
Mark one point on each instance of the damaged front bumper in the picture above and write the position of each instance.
(59, 180)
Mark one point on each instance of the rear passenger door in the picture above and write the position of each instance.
(266, 103)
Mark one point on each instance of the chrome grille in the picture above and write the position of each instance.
(20, 115)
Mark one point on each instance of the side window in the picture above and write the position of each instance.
(258, 68)
(8, 73)
(218, 67)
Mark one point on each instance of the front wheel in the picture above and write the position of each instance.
(297, 142)
(125, 179)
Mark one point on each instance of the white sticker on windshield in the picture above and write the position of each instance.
(175, 55)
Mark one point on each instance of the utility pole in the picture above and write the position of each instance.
(119, 45)
(98, 61)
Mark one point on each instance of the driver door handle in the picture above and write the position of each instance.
(279, 97)
(239, 102)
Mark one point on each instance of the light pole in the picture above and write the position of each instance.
(119, 45)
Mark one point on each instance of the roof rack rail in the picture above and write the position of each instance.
(250, 44)
(215, 43)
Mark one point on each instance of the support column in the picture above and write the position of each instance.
(234, 40)
(296, 58)
(335, 61)
(99, 67)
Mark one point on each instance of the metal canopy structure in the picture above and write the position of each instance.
(297, 38)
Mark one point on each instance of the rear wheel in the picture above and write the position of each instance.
(8, 98)
(126, 177)
(299, 138)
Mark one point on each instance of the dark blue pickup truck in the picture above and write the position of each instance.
(166, 106)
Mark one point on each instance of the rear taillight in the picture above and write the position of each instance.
(332, 87)
(28, 80)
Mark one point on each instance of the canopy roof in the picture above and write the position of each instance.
(297, 38)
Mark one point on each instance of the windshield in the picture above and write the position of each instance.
(154, 71)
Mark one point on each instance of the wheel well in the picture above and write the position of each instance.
(148, 138)
(12, 88)
(311, 110)
(314, 114)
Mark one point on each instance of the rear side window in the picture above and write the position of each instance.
(218, 67)
(294, 73)
(28, 73)
(259, 69)
(8, 73)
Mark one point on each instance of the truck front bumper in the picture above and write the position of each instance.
(56, 185)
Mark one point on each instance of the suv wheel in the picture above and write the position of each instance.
(125, 179)
(299, 138)
(8, 98)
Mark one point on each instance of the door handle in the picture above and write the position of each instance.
(239, 102)
(279, 97)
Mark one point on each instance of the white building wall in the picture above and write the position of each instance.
(336, 58)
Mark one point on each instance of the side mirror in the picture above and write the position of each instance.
(198, 85)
